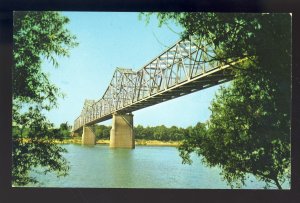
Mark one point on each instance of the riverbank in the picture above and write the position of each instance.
(77, 140)
(157, 143)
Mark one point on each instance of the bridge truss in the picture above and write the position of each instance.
(186, 67)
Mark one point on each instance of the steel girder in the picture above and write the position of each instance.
(184, 68)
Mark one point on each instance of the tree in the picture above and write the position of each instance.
(160, 132)
(249, 129)
(37, 36)
(64, 130)
(101, 131)
(65, 126)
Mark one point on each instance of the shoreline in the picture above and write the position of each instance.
(138, 142)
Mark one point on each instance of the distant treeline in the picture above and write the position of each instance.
(161, 132)
(62, 132)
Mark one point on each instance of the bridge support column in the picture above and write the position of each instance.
(74, 134)
(88, 136)
(121, 133)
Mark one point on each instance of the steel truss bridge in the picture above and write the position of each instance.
(185, 67)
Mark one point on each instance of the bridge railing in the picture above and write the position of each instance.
(182, 62)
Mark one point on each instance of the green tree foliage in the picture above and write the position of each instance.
(249, 129)
(64, 130)
(101, 131)
(37, 36)
(161, 133)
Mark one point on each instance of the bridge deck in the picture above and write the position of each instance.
(182, 69)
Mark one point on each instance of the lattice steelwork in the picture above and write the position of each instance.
(184, 68)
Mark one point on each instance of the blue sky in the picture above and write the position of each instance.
(110, 40)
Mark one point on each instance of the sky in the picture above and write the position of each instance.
(118, 39)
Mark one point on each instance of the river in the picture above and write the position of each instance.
(144, 167)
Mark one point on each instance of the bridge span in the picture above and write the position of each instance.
(186, 67)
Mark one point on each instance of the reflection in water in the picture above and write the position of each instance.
(143, 167)
(122, 164)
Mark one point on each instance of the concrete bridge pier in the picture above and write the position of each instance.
(121, 133)
(74, 134)
(88, 136)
